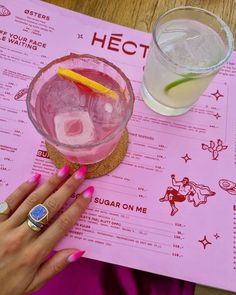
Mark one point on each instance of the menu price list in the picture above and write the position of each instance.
(109, 228)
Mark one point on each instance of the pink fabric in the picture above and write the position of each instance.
(90, 277)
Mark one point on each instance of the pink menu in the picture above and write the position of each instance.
(143, 214)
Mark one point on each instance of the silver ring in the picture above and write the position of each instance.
(4, 208)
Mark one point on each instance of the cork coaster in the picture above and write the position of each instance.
(94, 170)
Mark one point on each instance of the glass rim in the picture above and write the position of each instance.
(87, 145)
(196, 70)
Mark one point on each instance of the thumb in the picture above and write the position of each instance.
(53, 266)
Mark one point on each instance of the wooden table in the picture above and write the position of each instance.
(141, 15)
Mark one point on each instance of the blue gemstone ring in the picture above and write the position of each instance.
(37, 217)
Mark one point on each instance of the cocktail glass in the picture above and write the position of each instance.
(190, 45)
(85, 124)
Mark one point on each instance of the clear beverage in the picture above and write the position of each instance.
(184, 57)
(84, 124)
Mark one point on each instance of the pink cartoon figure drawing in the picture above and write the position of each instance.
(185, 189)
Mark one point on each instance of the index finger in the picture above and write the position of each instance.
(39, 195)
(20, 194)
(56, 231)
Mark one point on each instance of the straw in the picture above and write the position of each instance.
(87, 82)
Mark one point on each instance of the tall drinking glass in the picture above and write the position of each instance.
(189, 47)
(84, 123)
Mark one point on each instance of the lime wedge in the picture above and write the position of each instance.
(175, 83)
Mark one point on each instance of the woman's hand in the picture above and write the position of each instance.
(23, 251)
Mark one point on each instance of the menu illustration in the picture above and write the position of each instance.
(170, 206)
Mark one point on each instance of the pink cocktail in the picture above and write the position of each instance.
(83, 123)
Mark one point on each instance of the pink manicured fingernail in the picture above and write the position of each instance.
(75, 256)
(88, 193)
(63, 171)
(81, 172)
(35, 178)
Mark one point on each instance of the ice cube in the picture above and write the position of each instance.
(62, 94)
(74, 127)
(191, 43)
(106, 112)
